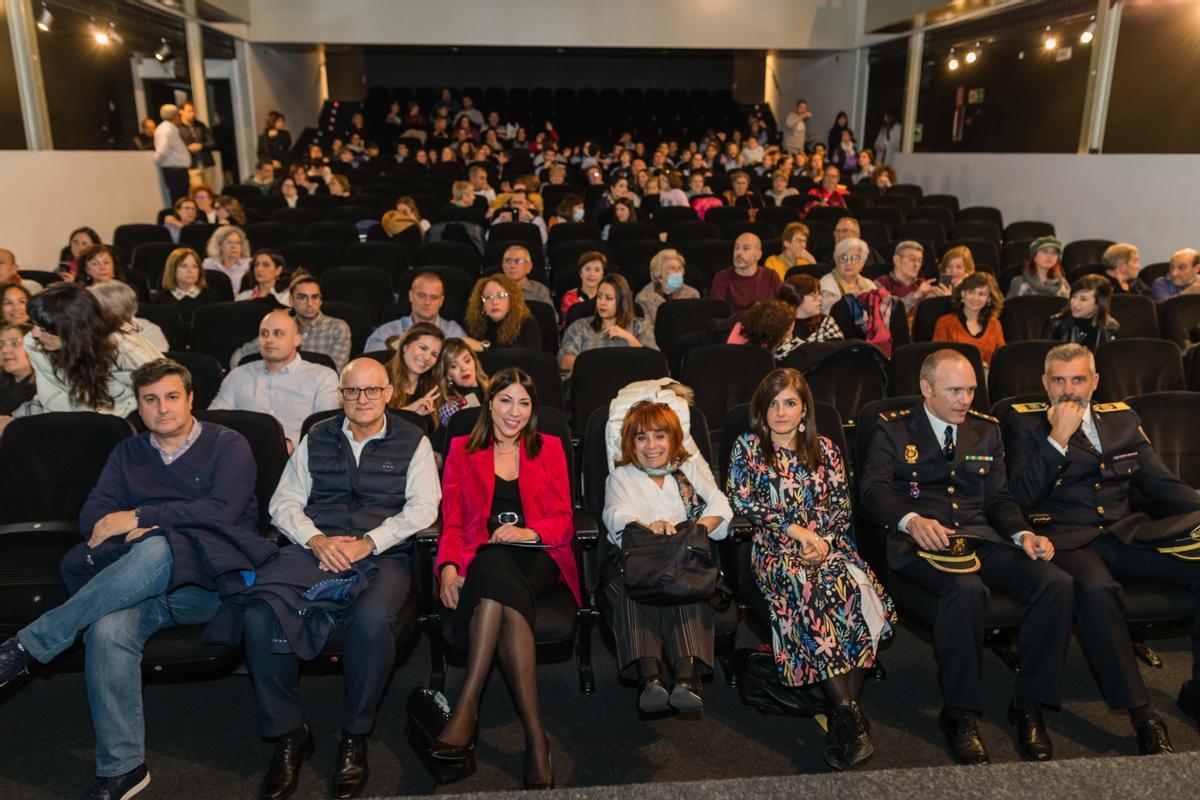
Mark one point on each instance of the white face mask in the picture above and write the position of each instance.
(577, 214)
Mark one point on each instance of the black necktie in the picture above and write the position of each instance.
(948, 443)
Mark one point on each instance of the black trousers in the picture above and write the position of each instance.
(368, 656)
(1045, 594)
(177, 182)
(1098, 567)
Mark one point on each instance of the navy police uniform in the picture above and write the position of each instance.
(906, 471)
(1083, 501)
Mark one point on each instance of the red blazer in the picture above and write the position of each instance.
(468, 485)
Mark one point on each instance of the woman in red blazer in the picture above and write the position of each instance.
(507, 525)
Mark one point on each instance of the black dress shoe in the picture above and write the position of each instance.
(1153, 739)
(454, 752)
(1032, 736)
(350, 768)
(848, 742)
(1189, 699)
(653, 697)
(291, 750)
(14, 661)
(962, 734)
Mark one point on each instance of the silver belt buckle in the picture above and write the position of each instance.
(507, 518)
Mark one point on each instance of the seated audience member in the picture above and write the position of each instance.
(780, 190)
(183, 284)
(614, 324)
(974, 316)
(745, 282)
(803, 294)
(184, 213)
(462, 195)
(229, 252)
(794, 253)
(478, 176)
(667, 273)
(1086, 320)
(570, 209)
(592, 266)
(741, 195)
(1181, 277)
(661, 487)
(828, 192)
(520, 209)
(846, 278)
(498, 317)
(348, 523)
(414, 375)
(229, 211)
(884, 177)
(670, 189)
(289, 190)
(766, 325)
(517, 264)
(339, 185)
(120, 300)
(1122, 263)
(267, 268)
(79, 242)
(318, 333)
(205, 200)
(848, 228)
(503, 485)
(100, 264)
(15, 303)
(1057, 456)
(623, 211)
(1043, 273)
(81, 355)
(698, 185)
(10, 273)
(790, 482)
(956, 264)
(462, 380)
(948, 508)
(149, 574)
(618, 186)
(426, 295)
(282, 384)
(17, 381)
(866, 165)
(263, 178)
(905, 282)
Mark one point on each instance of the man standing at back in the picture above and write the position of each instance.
(745, 283)
(795, 128)
(171, 154)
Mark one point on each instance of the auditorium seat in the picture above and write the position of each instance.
(316, 258)
(976, 229)
(1180, 317)
(525, 233)
(1025, 317)
(150, 258)
(778, 217)
(390, 257)
(367, 287)
(165, 317)
(724, 375)
(196, 236)
(666, 216)
(846, 375)
(127, 237)
(1084, 251)
(1136, 314)
(599, 374)
(940, 215)
(984, 253)
(929, 311)
(339, 235)
(1027, 229)
(270, 235)
(676, 318)
(923, 231)
(982, 214)
(948, 201)
(456, 283)
(570, 232)
(206, 375)
(891, 217)
(354, 315)
(541, 366)
(1137, 366)
(621, 233)
(762, 230)
(298, 218)
(1017, 368)
(684, 233)
(447, 254)
(220, 328)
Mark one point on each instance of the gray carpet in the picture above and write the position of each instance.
(203, 741)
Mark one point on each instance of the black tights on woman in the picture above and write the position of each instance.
(845, 688)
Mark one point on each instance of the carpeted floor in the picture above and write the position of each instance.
(203, 741)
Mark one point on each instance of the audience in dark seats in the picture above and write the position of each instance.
(17, 381)
(623, 211)
(829, 192)
(282, 384)
(741, 195)
(426, 295)
(229, 252)
(519, 208)
(974, 316)
(229, 211)
(184, 285)
(498, 317)
(803, 294)
(667, 277)
(848, 228)
(1181, 277)
(266, 270)
(100, 263)
(517, 263)
(413, 373)
(15, 303)
(79, 242)
(263, 178)
(1087, 319)
(1122, 263)
(846, 278)
(745, 282)
(614, 324)
(462, 380)
(185, 213)
(905, 281)
(592, 266)
(120, 300)
(504, 484)
(795, 250)
(956, 264)
(1043, 273)
(884, 177)
(319, 333)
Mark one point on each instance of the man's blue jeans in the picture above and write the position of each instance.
(118, 611)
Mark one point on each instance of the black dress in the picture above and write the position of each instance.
(529, 335)
(512, 575)
(14, 392)
(187, 305)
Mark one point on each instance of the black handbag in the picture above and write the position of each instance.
(428, 713)
(759, 686)
(668, 570)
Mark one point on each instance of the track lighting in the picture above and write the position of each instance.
(1089, 32)
(1049, 41)
(45, 19)
(163, 52)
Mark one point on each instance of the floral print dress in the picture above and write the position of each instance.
(826, 619)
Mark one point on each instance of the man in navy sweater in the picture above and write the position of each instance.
(179, 472)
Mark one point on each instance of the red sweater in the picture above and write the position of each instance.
(949, 328)
(740, 291)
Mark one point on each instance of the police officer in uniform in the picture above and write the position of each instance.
(934, 475)
(1072, 465)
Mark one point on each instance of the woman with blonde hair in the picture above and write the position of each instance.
(228, 252)
(956, 264)
(184, 285)
(497, 315)
(667, 272)
(229, 210)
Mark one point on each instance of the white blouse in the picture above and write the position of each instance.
(630, 494)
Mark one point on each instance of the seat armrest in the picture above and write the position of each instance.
(587, 531)
(59, 532)
(587, 537)
(424, 581)
(741, 528)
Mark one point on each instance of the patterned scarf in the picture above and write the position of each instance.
(693, 504)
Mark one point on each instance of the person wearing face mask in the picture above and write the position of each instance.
(790, 482)
(666, 283)
(17, 381)
(592, 266)
(414, 375)
(498, 317)
(570, 209)
(974, 316)
(613, 325)
(1086, 320)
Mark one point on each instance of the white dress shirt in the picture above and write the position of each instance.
(290, 395)
(1088, 426)
(422, 495)
(630, 495)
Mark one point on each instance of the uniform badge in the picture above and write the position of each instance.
(958, 547)
(914, 490)
(910, 454)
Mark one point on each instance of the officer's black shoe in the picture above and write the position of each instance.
(350, 769)
(1032, 736)
(962, 734)
(122, 787)
(1189, 699)
(291, 750)
(14, 661)
(847, 743)
(1153, 739)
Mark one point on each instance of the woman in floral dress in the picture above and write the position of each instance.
(828, 611)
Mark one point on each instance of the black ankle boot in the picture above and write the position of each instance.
(848, 742)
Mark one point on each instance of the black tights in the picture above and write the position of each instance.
(500, 631)
(845, 688)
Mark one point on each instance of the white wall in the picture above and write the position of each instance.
(1146, 200)
(828, 83)
(720, 24)
(287, 80)
(66, 189)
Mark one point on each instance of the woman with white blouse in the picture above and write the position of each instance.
(659, 485)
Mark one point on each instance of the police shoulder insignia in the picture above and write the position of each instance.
(1027, 408)
(981, 415)
(886, 415)
(1101, 408)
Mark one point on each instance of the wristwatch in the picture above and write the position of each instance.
(137, 516)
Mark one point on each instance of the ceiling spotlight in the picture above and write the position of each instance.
(45, 19)
(972, 56)
(1089, 32)
(1049, 41)
(97, 33)
(163, 52)
(953, 62)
